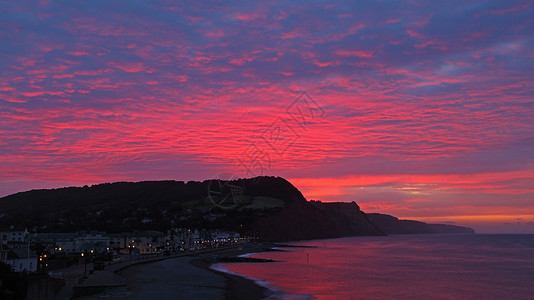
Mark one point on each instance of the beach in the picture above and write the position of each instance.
(186, 277)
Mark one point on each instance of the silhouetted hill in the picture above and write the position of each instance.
(270, 207)
(392, 225)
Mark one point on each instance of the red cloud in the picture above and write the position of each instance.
(246, 17)
(242, 60)
(354, 53)
(77, 53)
(214, 34)
(60, 76)
(92, 72)
(294, 34)
(41, 93)
(414, 33)
(131, 67)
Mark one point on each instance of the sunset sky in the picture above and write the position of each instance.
(420, 109)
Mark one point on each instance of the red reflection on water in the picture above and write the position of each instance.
(402, 267)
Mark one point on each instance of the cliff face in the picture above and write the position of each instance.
(298, 221)
(316, 220)
(445, 228)
(348, 218)
(392, 225)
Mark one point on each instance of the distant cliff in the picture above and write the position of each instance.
(316, 220)
(392, 225)
(348, 218)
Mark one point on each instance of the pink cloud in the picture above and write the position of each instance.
(14, 100)
(515, 8)
(77, 53)
(131, 67)
(242, 60)
(61, 76)
(41, 93)
(424, 45)
(194, 19)
(414, 33)
(246, 17)
(49, 69)
(323, 64)
(354, 53)
(92, 72)
(422, 21)
(295, 33)
(214, 34)
(181, 78)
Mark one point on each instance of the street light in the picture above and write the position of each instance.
(84, 255)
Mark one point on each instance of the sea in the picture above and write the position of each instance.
(457, 266)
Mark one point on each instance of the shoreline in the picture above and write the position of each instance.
(237, 286)
(233, 286)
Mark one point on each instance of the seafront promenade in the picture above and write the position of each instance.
(83, 280)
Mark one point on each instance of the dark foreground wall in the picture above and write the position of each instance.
(43, 288)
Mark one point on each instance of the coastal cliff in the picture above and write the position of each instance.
(392, 225)
(348, 218)
(303, 220)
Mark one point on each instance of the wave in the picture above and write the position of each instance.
(275, 292)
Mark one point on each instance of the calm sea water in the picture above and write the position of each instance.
(400, 267)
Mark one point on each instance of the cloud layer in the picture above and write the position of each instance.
(415, 108)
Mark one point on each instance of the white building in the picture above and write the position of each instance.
(221, 237)
(142, 242)
(12, 236)
(146, 241)
(66, 246)
(56, 242)
(20, 260)
(93, 241)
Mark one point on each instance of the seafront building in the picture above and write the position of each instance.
(20, 259)
(13, 235)
(30, 252)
